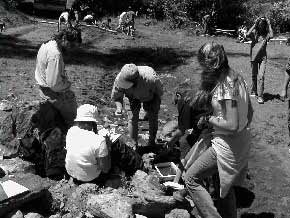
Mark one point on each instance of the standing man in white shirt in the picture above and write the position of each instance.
(52, 80)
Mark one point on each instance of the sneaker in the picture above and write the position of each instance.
(260, 100)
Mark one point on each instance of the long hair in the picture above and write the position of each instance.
(213, 60)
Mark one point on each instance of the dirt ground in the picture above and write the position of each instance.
(93, 66)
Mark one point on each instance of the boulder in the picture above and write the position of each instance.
(178, 213)
(110, 205)
(38, 191)
(17, 165)
(33, 215)
(2, 173)
(66, 197)
(15, 214)
(55, 216)
(150, 196)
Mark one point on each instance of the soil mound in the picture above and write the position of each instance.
(12, 17)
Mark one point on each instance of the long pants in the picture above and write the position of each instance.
(151, 108)
(258, 76)
(64, 102)
(203, 167)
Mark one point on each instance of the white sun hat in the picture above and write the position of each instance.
(128, 73)
(87, 112)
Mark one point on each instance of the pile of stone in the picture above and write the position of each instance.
(32, 152)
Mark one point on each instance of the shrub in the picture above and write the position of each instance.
(279, 16)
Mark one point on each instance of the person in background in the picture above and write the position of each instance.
(51, 78)
(142, 86)
(122, 21)
(260, 34)
(229, 151)
(91, 154)
(63, 18)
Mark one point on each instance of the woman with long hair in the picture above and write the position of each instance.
(229, 150)
(260, 34)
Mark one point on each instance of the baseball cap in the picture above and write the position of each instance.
(128, 73)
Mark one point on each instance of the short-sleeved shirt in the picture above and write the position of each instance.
(146, 88)
(83, 149)
(232, 148)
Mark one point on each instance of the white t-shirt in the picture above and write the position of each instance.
(83, 148)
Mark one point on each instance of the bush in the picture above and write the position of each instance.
(279, 16)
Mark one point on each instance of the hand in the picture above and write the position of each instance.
(118, 112)
(202, 122)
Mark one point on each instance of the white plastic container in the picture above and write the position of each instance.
(166, 171)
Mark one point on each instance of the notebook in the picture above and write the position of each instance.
(113, 136)
(9, 189)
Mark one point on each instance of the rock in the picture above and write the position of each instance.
(38, 190)
(68, 197)
(68, 215)
(111, 205)
(21, 129)
(55, 216)
(33, 215)
(151, 200)
(2, 173)
(178, 213)
(17, 214)
(17, 165)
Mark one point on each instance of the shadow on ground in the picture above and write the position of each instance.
(260, 215)
(157, 57)
(271, 97)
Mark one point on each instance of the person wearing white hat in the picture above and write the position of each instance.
(141, 85)
(88, 153)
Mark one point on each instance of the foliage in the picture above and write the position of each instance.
(279, 15)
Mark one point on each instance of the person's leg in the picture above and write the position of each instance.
(152, 108)
(254, 66)
(135, 106)
(283, 93)
(227, 206)
(203, 167)
(67, 106)
(261, 78)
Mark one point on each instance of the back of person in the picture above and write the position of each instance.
(147, 85)
(81, 157)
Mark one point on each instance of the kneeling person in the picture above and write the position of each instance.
(90, 154)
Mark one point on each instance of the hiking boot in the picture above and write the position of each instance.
(180, 195)
(260, 100)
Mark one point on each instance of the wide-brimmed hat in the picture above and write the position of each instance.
(125, 78)
(87, 112)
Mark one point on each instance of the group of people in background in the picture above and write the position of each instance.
(126, 22)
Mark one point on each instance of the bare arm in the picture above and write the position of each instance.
(231, 120)
(270, 34)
